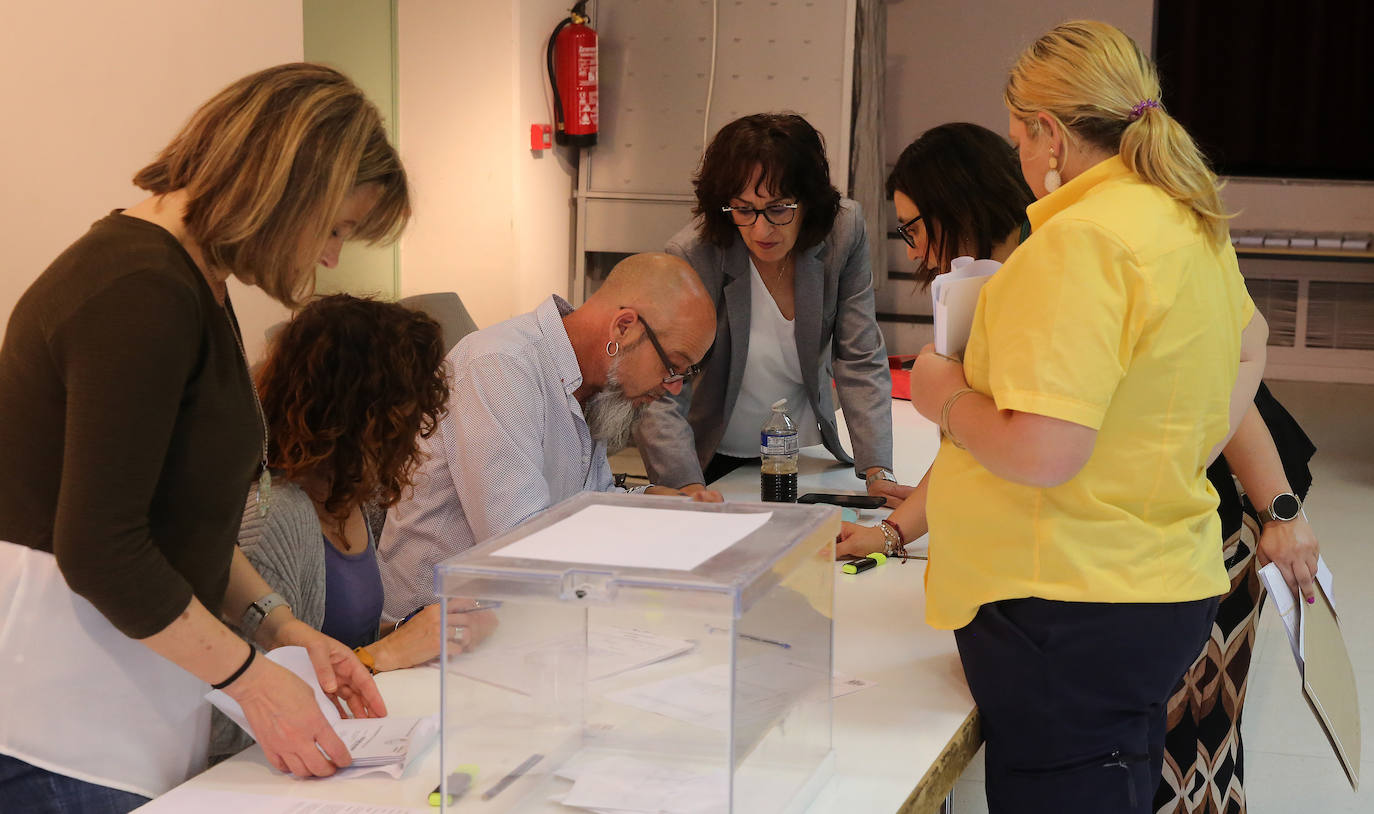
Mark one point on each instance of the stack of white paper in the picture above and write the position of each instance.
(385, 745)
(954, 296)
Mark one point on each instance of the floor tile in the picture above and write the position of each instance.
(1285, 784)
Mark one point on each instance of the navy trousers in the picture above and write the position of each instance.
(31, 790)
(1072, 699)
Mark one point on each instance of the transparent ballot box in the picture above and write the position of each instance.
(650, 654)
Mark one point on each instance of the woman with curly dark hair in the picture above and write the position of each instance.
(786, 260)
(348, 387)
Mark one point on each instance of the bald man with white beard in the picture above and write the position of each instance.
(535, 405)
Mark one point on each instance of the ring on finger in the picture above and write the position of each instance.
(456, 633)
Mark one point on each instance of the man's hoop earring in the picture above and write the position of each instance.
(612, 348)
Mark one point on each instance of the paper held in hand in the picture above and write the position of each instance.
(1328, 679)
(954, 296)
(384, 745)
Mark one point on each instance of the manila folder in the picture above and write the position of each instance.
(1328, 682)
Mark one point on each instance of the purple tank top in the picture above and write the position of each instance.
(352, 594)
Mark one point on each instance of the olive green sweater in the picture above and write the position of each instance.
(128, 435)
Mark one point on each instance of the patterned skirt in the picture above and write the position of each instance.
(1203, 760)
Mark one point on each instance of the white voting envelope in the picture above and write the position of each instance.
(954, 296)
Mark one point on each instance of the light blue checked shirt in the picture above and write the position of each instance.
(514, 443)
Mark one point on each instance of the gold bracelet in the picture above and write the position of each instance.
(944, 414)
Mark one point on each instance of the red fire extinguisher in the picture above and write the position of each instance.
(572, 73)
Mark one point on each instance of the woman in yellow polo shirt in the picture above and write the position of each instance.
(958, 190)
(1073, 531)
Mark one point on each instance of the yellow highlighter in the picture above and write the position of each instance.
(458, 784)
(859, 566)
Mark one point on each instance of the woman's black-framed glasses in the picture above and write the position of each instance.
(673, 376)
(904, 230)
(777, 214)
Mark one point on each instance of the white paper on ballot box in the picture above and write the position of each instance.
(634, 537)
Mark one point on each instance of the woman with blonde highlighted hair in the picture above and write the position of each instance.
(132, 431)
(1075, 542)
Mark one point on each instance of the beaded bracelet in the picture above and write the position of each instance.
(901, 536)
(894, 544)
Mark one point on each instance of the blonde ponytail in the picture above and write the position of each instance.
(1093, 79)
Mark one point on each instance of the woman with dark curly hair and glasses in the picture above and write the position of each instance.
(786, 260)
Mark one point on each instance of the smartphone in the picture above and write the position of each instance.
(848, 501)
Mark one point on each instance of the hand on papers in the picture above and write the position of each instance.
(342, 677)
(858, 541)
(933, 379)
(894, 492)
(285, 719)
(1292, 547)
(696, 491)
(417, 641)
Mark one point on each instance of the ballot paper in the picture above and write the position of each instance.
(629, 784)
(765, 689)
(635, 537)
(954, 296)
(609, 651)
(377, 745)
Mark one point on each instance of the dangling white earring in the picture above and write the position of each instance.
(612, 348)
(1052, 179)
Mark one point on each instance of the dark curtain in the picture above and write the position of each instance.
(1272, 88)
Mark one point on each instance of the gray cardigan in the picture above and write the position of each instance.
(678, 435)
(287, 549)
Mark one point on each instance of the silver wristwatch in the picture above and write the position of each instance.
(1284, 507)
(881, 474)
(257, 611)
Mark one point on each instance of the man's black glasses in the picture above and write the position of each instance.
(673, 376)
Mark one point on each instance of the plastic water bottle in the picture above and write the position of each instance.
(778, 448)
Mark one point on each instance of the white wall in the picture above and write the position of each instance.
(93, 91)
(492, 220)
(947, 61)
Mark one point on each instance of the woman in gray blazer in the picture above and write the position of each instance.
(786, 261)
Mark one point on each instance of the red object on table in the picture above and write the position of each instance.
(901, 376)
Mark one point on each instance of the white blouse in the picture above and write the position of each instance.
(771, 371)
(79, 698)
